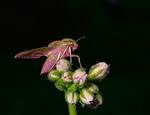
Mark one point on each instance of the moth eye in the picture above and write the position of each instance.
(71, 44)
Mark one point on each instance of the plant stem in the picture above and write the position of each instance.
(72, 109)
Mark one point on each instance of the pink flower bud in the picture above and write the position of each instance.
(67, 77)
(72, 97)
(63, 65)
(99, 71)
(97, 101)
(54, 75)
(79, 77)
(86, 97)
(92, 87)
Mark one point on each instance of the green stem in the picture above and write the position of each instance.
(72, 109)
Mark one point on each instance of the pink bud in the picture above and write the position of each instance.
(92, 87)
(79, 77)
(97, 101)
(86, 97)
(63, 65)
(99, 71)
(72, 97)
(67, 77)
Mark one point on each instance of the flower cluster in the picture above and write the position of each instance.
(78, 85)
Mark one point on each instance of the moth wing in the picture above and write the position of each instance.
(54, 43)
(53, 58)
(35, 53)
(50, 62)
(38, 52)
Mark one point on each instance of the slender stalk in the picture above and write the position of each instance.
(72, 109)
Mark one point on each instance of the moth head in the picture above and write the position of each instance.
(73, 44)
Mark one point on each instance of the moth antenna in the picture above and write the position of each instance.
(80, 38)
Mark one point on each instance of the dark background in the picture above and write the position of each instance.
(117, 32)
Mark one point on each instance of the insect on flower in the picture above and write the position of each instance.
(54, 52)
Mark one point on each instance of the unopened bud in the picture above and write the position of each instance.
(79, 77)
(92, 87)
(86, 97)
(72, 97)
(99, 71)
(67, 77)
(73, 87)
(63, 65)
(97, 101)
(60, 85)
(54, 75)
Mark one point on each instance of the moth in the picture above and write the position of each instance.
(55, 51)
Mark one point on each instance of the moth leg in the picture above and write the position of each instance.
(56, 60)
(78, 60)
(59, 57)
(70, 55)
